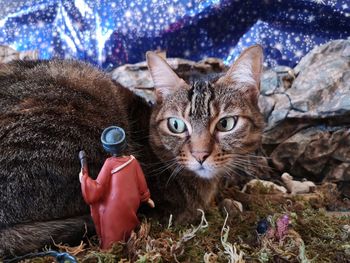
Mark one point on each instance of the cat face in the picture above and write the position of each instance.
(207, 127)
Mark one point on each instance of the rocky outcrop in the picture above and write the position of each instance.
(8, 54)
(308, 118)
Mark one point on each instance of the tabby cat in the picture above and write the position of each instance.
(50, 110)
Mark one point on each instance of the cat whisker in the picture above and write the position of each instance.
(175, 172)
(245, 165)
(172, 160)
(162, 162)
(161, 169)
(243, 168)
(165, 166)
(250, 162)
(246, 155)
(249, 157)
(260, 167)
(255, 156)
(229, 172)
(250, 154)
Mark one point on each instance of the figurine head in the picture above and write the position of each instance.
(286, 177)
(113, 140)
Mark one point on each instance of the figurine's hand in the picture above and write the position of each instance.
(81, 175)
(150, 203)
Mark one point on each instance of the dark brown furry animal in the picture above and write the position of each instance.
(50, 110)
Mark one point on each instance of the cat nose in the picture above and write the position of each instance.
(200, 156)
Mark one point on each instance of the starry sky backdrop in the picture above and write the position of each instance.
(110, 33)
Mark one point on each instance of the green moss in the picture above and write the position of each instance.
(324, 235)
(313, 237)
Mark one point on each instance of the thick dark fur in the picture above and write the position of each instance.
(22, 238)
(49, 111)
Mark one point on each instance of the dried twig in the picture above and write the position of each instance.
(191, 233)
(230, 249)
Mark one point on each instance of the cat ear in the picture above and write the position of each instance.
(246, 70)
(165, 80)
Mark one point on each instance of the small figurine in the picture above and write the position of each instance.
(297, 187)
(115, 196)
(254, 185)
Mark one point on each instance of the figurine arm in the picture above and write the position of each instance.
(142, 184)
(93, 189)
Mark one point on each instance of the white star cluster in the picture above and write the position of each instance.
(112, 32)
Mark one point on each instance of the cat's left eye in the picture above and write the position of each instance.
(226, 124)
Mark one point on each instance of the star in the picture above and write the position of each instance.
(311, 18)
(171, 10)
(187, 53)
(127, 14)
(41, 24)
(298, 53)
(279, 46)
(319, 2)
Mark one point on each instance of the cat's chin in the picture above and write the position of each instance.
(204, 173)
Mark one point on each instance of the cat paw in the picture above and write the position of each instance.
(232, 207)
(188, 217)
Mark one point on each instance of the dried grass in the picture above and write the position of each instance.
(313, 236)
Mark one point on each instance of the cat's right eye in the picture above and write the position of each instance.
(176, 125)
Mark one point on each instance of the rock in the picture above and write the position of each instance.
(8, 54)
(308, 121)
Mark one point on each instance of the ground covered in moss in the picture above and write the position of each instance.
(318, 231)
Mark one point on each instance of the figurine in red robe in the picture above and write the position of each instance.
(115, 196)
